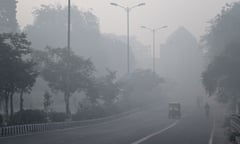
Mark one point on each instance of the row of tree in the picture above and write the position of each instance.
(8, 19)
(76, 75)
(222, 77)
(105, 50)
(17, 71)
(21, 65)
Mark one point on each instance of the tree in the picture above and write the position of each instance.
(66, 74)
(49, 29)
(52, 19)
(222, 74)
(27, 75)
(93, 91)
(17, 73)
(8, 19)
(223, 30)
(47, 101)
(135, 88)
(108, 88)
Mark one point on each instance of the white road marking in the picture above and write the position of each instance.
(213, 115)
(212, 133)
(154, 134)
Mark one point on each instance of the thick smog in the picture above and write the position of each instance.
(119, 72)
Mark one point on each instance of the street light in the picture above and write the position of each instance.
(128, 9)
(69, 24)
(153, 30)
(68, 54)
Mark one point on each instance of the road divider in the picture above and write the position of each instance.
(235, 128)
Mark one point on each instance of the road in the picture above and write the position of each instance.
(149, 126)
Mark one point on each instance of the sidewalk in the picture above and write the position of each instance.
(219, 112)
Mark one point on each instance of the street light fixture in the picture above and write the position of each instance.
(114, 4)
(141, 4)
(128, 9)
(153, 30)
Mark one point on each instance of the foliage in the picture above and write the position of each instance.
(136, 86)
(49, 29)
(87, 110)
(108, 88)
(224, 30)
(90, 112)
(8, 19)
(92, 91)
(52, 19)
(57, 116)
(66, 74)
(104, 88)
(17, 71)
(47, 101)
(222, 75)
(28, 117)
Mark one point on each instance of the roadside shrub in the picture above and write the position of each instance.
(57, 116)
(28, 117)
(227, 122)
(92, 112)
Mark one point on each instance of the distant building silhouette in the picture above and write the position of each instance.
(181, 62)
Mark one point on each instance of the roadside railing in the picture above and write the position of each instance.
(235, 128)
(34, 128)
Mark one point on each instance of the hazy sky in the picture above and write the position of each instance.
(192, 14)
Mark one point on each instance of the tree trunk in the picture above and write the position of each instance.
(6, 105)
(21, 100)
(66, 97)
(11, 104)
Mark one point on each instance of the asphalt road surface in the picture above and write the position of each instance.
(150, 126)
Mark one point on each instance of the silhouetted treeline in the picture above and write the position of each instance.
(17, 73)
(221, 76)
(105, 50)
(93, 72)
(8, 19)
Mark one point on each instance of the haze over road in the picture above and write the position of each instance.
(193, 128)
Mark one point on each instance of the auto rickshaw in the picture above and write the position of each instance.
(174, 110)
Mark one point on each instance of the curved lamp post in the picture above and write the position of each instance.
(154, 30)
(128, 10)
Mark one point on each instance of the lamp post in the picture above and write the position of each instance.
(69, 25)
(128, 10)
(68, 59)
(154, 30)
